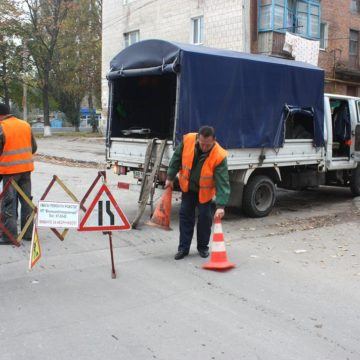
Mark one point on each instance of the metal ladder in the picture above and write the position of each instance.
(150, 176)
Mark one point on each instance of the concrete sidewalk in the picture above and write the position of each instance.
(84, 149)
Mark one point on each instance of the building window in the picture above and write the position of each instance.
(354, 42)
(131, 37)
(279, 12)
(296, 16)
(354, 6)
(324, 34)
(291, 15)
(197, 35)
(353, 48)
(265, 14)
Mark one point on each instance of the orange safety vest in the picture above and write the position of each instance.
(207, 188)
(17, 152)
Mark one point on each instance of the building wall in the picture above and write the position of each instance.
(226, 25)
(342, 77)
(340, 20)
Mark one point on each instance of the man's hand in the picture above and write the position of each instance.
(219, 214)
(169, 183)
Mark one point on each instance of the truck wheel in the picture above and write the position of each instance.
(355, 181)
(259, 196)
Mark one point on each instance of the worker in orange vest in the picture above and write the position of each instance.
(203, 173)
(17, 146)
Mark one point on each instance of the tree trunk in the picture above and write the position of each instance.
(76, 114)
(6, 87)
(46, 107)
(92, 113)
(6, 94)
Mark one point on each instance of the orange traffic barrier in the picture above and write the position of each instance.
(218, 260)
(161, 216)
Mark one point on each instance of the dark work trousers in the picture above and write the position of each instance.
(189, 203)
(9, 205)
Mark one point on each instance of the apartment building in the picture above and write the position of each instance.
(258, 26)
(214, 23)
(336, 24)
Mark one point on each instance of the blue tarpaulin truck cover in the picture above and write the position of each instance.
(243, 96)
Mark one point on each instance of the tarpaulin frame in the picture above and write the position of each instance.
(158, 70)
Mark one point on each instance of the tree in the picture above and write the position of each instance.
(94, 56)
(77, 73)
(53, 46)
(10, 71)
(11, 55)
(43, 23)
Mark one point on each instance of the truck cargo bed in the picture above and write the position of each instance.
(131, 153)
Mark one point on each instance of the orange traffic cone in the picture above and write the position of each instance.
(161, 216)
(218, 260)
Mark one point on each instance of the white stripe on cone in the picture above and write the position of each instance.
(218, 246)
(218, 228)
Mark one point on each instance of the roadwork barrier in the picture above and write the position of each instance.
(103, 215)
(15, 239)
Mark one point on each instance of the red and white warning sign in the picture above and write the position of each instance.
(104, 214)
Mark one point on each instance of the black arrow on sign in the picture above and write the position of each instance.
(100, 213)
(109, 212)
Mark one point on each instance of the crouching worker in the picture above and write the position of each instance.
(203, 173)
(17, 144)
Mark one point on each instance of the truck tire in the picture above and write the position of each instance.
(355, 181)
(259, 196)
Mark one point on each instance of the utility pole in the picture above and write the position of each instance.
(246, 26)
(24, 100)
(25, 111)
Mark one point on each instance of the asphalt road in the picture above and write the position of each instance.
(294, 293)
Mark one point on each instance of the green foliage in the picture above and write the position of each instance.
(11, 56)
(78, 68)
(53, 46)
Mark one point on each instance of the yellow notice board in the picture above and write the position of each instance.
(35, 249)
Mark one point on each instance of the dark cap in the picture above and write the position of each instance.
(4, 109)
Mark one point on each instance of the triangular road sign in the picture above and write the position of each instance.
(35, 249)
(104, 214)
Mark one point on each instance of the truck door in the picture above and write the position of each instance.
(343, 123)
(357, 133)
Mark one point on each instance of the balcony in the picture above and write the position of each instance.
(272, 43)
(348, 69)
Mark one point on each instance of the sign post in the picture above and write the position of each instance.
(113, 271)
(104, 215)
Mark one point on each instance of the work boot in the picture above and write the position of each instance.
(181, 254)
(203, 253)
